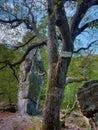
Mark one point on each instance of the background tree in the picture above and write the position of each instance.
(8, 77)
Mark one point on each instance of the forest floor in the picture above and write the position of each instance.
(14, 121)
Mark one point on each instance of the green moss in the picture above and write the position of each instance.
(37, 124)
(80, 2)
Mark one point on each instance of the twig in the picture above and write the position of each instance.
(7, 63)
(70, 111)
(17, 47)
(85, 48)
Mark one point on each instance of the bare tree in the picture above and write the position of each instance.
(57, 64)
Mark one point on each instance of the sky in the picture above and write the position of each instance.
(10, 36)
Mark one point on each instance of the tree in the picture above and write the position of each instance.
(8, 85)
(57, 64)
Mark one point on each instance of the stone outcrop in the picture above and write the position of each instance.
(88, 101)
(30, 83)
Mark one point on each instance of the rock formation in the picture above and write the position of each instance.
(30, 83)
(88, 101)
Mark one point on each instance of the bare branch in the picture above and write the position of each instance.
(14, 72)
(7, 63)
(34, 29)
(81, 9)
(41, 74)
(3, 67)
(85, 26)
(11, 21)
(70, 111)
(23, 57)
(17, 47)
(74, 79)
(8, 12)
(94, 2)
(28, 50)
(85, 48)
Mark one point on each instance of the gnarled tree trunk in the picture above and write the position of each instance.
(31, 83)
(58, 66)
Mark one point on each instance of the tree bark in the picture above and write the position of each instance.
(57, 66)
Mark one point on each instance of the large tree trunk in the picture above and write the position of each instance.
(31, 83)
(52, 104)
(57, 66)
(55, 93)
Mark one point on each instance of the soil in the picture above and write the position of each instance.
(14, 121)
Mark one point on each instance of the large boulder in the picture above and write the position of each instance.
(88, 100)
(30, 83)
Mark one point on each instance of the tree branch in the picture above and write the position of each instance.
(24, 55)
(94, 2)
(81, 9)
(85, 48)
(17, 47)
(7, 63)
(85, 26)
(11, 21)
(34, 29)
(74, 79)
(8, 12)
(14, 72)
(11, 65)
(3, 67)
(62, 23)
(70, 111)
(28, 50)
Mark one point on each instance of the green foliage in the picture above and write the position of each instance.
(93, 25)
(43, 93)
(55, 7)
(8, 83)
(80, 2)
(44, 57)
(70, 95)
(8, 86)
(43, 25)
(76, 69)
